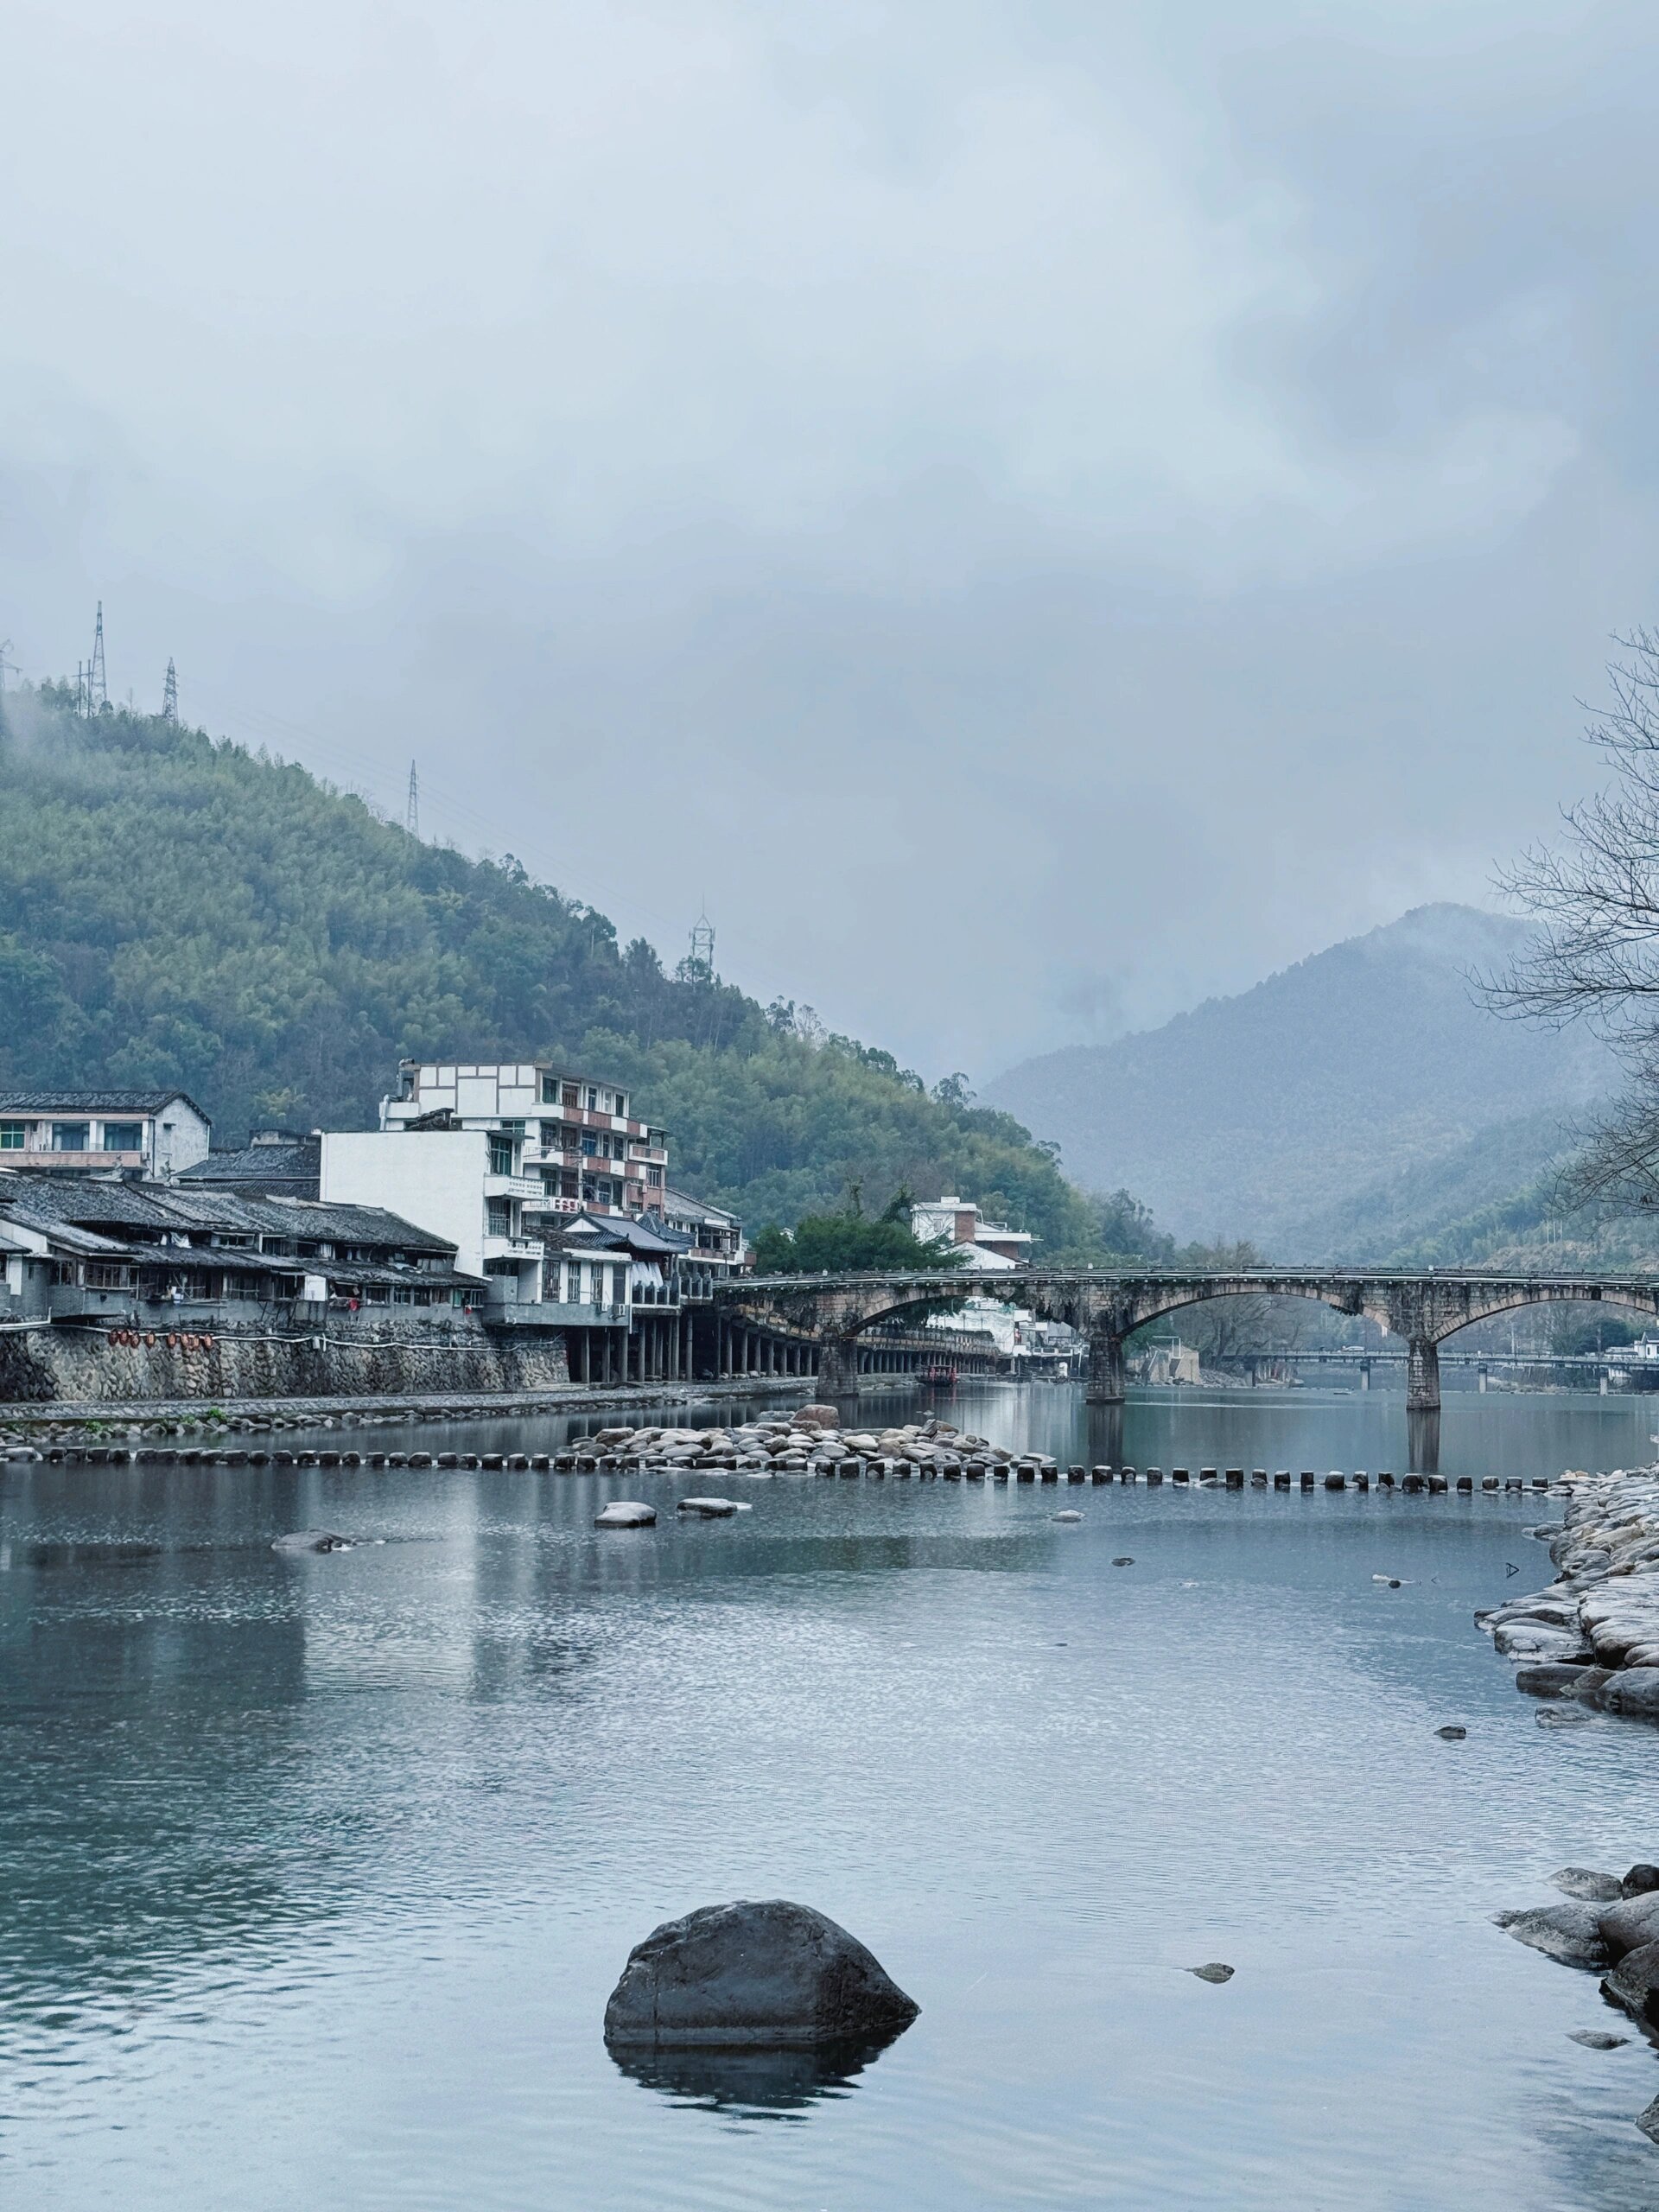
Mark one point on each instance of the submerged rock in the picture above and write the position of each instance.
(626, 1513)
(312, 1540)
(709, 1508)
(1215, 1971)
(1640, 1880)
(1569, 1933)
(1585, 1882)
(766, 1974)
(1451, 1733)
(1596, 2039)
(1124, 1561)
(1068, 1516)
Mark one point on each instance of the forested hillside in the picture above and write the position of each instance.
(1346, 1107)
(178, 910)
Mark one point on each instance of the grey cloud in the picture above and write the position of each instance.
(1170, 471)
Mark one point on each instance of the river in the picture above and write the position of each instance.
(317, 1872)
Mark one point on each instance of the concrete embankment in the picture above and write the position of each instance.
(1593, 1635)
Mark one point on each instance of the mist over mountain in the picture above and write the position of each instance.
(1346, 1107)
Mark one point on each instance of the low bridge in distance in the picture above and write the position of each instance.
(1108, 1305)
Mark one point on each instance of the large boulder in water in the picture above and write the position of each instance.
(1634, 1983)
(1628, 1926)
(1571, 1932)
(764, 1975)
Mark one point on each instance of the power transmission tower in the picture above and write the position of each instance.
(698, 966)
(98, 687)
(7, 667)
(171, 694)
(412, 812)
(80, 687)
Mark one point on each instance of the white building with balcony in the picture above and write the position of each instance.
(152, 1134)
(573, 1135)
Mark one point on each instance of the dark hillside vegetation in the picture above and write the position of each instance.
(176, 910)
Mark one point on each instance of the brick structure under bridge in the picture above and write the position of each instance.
(1108, 1305)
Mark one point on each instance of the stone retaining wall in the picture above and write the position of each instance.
(265, 1356)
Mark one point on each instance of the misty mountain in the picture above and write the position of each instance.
(178, 911)
(1346, 1107)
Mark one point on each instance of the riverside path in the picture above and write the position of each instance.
(1108, 1305)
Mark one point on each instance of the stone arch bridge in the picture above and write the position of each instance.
(1108, 1306)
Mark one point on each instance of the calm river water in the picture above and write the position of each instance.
(315, 1873)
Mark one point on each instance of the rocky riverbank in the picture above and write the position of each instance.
(1593, 1636)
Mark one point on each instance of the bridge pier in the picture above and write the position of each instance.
(1422, 1375)
(838, 1367)
(1106, 1369)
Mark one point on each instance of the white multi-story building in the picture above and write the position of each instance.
(149, 1133)
(570, 1134)
(456, 1183)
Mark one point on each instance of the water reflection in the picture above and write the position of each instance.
(1423, 1441)
(751, 2084)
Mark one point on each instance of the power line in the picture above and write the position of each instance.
(171, 694)
(412, 811)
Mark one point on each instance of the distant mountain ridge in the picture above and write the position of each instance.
(1344, 1108)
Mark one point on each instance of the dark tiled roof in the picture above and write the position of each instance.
(294, 1167)
(45, 1199)
(94, 1102)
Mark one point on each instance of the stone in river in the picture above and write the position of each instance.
(627, 1513)
(1641, 1878)
(709, 1508)
(1634, 1983)
(312, 1540)
(1213, 1972)
(1552, 1678)
(1125, 1560)
(1585, 1882)
(1451, 1733)
(1596, 2039)
(1561, 1716)
(1626, 1926)
(767, 1975)
(1569, 1933)
(1634, 1691)
(1068, 1516)
(1648, 2121)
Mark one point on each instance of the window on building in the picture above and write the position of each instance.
(72, 1136)
(124, 1136)
(572, 1095)
(550, 1091)
(11, 1136)
(497, 1218)
(654, 1177)
(593, 1098)
(501, 1155)
(590, 1144)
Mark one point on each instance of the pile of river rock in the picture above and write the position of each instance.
(1592, 1637)
(807, 1442)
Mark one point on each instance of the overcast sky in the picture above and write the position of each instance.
(1038, 511)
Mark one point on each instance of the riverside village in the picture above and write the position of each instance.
(980, 1532)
